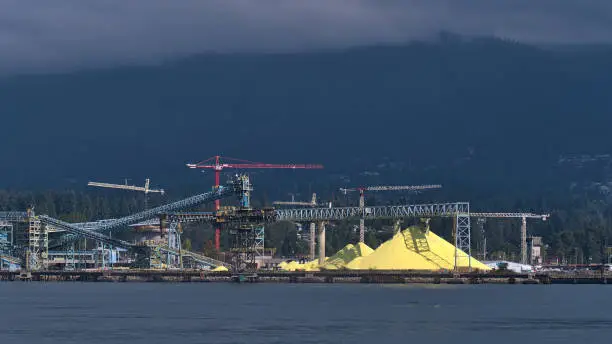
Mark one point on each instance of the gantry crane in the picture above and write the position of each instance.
(218, 163)
(523, 217)
(363, 189)
(146, 189)
(312, 232)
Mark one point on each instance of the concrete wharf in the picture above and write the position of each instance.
(266, 276)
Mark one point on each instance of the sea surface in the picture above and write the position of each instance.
(92, 313)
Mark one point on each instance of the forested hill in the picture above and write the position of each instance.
(501, 124)
(485, 112)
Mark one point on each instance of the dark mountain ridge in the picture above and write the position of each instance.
(479, 113)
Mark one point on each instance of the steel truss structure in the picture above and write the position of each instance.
(523, 217)
(459, 211)
(173, 222)
(332, 214)
(38, 244)
(463, 235)
(233, 187)
(82, 232)
(14, 216)
(243, 241)
(379, 212)
(70, 259)
(199, 259)
(175, 243)
(259, 246)
(6, 238)
(510, 215)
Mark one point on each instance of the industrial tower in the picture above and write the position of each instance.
(218, 163)
(363, 189)
(313, 226)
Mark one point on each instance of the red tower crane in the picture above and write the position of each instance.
(218, 163)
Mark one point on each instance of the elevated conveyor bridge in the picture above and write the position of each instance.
(458, 211)
(112, 226)
(326, 213)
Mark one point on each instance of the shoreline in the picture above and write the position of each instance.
(321, 277)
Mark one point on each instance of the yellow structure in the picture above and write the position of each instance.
(337, 261)
(347, 254)
(312, 265)
(220, 268)
(290, 266)
(295, 266)
(414, 248)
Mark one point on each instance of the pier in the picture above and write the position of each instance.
(262, 276)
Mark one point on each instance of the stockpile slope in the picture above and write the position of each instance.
(414, 248)
(392, 255)
(312, 265)
(296, 266)
(347, 254)
(289, 266)
(433, 247)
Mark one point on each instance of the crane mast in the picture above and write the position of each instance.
(313, 226)
(218, 163)
(363, 189)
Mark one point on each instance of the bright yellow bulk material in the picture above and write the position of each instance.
(414, 248)
(346, 255)
(392, 255)
(292, 266)
(363, 249)
(310, 266)
(220, 268)
(438, 247)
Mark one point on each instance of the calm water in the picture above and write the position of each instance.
(150, 313)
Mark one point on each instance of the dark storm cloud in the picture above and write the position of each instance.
(43, 34)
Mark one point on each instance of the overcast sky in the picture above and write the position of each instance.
(42, 35)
